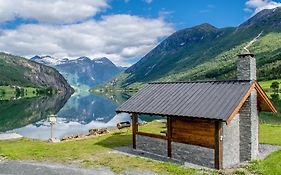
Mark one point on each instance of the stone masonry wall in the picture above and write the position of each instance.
(152, 145)
(231, 143)
(249, 129)
(181, 152)
(193, 154)
(246, 70)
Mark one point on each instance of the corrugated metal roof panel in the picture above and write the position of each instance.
(200, 99)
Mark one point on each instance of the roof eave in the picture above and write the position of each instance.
(239, 106)
(265, 98)
(170, 115)
(261, 92)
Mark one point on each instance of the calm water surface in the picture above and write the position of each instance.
(76, 114)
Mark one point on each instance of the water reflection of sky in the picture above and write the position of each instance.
(87, 107)
(64, 127)
(80, 113)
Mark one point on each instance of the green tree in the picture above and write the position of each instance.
(2, 92)
(275, 87)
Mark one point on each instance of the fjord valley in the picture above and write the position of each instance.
(32, 89)
(207, 52)
(82, 72)
(152, 87)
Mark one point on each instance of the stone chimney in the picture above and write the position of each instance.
(249, 121)
(246, 66)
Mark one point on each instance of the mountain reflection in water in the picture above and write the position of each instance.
(76, 114)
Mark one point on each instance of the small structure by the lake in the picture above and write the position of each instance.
(217, 119)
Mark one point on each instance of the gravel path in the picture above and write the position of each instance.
(266, 149)
(34, 168)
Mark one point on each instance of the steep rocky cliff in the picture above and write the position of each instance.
(19, 71)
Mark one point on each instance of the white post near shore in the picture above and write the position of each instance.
(52, 119)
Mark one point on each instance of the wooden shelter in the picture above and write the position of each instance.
(196, 111)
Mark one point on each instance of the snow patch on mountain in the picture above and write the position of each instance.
(49, 60)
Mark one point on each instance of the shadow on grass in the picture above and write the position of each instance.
(116, 139)
(121, 143)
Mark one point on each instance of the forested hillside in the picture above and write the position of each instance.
(207, 52)
(19, 71)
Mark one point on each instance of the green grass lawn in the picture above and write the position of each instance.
(270, 134)
(97, 151)
(271, 165)
(154, 127)
(92, 152)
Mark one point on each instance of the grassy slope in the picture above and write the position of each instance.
(88, 152)
(267, 50)
(222, 66)
(11, 72)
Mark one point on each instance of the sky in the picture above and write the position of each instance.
(122, 30)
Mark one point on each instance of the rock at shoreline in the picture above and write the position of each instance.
(92, 132)
(97, 131)
(54, 140)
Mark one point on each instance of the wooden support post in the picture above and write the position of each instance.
(169, 136)
(134, 128)
(218, 145)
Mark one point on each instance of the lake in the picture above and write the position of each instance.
(76, 114)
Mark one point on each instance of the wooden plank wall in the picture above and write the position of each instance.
(195, 132)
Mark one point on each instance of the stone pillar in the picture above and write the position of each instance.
(231, 143)
(249, 129)
(249, 122)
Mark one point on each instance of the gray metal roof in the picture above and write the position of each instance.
(199, 99)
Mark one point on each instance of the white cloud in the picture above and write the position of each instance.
(51, 11)
(255, 6)
(119, 37)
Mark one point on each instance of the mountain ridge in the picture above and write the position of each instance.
(207, 52)
(83, 72)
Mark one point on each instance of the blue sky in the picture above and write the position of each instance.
(122, 30)
(186, 13)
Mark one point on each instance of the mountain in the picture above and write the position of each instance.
(207, 52)
(82, 72)
(15, 70)
(48, 60)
